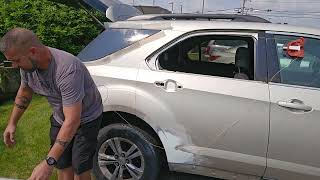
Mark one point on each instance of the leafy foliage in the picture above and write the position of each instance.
(57, 25)
(3, 78)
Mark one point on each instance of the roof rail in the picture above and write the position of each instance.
(208, 17)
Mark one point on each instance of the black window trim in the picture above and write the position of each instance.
(261, 70)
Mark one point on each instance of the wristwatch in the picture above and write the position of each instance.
(51, 161)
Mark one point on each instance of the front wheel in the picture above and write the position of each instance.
(127, 153)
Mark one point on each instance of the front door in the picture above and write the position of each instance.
(295, 111)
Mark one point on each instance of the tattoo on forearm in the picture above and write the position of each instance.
(20, 106)
(63, 143)
(24, 100)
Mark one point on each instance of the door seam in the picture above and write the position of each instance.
(269, 128)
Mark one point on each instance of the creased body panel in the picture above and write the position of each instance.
(209, 114)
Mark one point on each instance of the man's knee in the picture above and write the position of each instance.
(83, 176)
(81, 166)
(84, 147)
(65, 174)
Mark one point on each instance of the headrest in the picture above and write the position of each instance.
(243, 58)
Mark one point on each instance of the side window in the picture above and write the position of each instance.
(111, 41)
(303, 70)
(224, 56)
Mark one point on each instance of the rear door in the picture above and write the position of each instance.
(294, 143)
(210, 119)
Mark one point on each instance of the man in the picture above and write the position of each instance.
(71, 92)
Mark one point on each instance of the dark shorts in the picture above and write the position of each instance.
(79, 153)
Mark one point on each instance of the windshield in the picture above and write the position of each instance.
(111, 41)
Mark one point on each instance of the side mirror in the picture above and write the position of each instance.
(295, 48)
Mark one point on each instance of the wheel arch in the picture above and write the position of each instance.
(131, 119)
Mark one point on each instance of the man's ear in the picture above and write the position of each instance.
(33, 50)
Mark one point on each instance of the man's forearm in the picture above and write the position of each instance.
(21, 103)
(68, 129)
(64, 137)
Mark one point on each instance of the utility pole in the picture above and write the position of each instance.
(171, 6)
(154, 2)
(202, 6)
(181, 8)
(243, 8)
(133, 2)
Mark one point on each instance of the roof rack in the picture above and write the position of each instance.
(208, 17)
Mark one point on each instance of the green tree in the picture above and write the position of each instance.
(60, 25)
(57, 25)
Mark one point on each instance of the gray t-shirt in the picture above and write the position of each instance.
(66, 82)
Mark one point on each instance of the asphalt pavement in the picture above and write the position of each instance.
(171, 176)
(183, 176)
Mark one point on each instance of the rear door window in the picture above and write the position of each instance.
(215, 55)
(111, 41)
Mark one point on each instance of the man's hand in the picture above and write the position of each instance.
(42, 172)
(8, 136)
(21, 102)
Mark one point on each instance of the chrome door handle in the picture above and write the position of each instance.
(295, 104)
(169, 85)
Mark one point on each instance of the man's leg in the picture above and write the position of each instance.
(65, 174)
(83, 176)
(84, 147)
(64, 163)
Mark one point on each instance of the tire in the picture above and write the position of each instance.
(147, 164)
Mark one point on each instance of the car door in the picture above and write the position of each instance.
(206, 116)
(294, 147)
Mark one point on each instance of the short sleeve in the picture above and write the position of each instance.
(24, 81)
(71, 86)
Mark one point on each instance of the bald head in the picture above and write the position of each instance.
(19, 38)
(23, 48)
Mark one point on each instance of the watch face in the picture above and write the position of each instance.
(51, 161)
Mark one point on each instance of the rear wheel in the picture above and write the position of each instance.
(127, 153)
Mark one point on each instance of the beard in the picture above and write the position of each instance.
(34, 66)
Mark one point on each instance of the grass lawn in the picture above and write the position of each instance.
(32, 139)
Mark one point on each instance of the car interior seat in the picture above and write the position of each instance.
(243, 63)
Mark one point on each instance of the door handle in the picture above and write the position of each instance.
(169, 85)
(295, 104)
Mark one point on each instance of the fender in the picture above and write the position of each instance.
(152, 111)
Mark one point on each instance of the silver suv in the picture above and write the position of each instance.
(167, 105)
